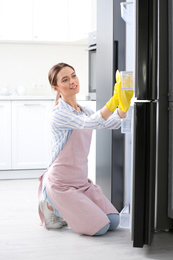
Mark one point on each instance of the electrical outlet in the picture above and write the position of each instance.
(41, 86)
(38, 86)
(34, 86)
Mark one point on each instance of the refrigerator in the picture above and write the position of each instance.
(135, 169)
(170, 110)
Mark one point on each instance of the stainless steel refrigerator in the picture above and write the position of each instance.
(151, 124)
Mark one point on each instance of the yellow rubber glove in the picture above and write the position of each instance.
(113, 101)
(124, 96)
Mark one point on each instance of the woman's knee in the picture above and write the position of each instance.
(103, 230)
(114, 221)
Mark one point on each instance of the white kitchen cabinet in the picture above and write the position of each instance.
(16, 20)
(45, 20)
(50, 20)
(57, 20)
(80, 19)
(5, 135)
(31, 141)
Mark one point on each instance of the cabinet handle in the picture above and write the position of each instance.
(30, 105)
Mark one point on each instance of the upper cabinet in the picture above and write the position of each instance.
(46, 20)
(50, 20)
(80, 19)
(16, 20)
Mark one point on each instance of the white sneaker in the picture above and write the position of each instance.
(64, 223)
(51, 220)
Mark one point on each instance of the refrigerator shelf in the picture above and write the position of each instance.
(127, 12)
(125, 217)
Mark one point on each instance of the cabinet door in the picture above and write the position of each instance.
(5, 135)
(80, 19)
(50, 20)
(31, 141)
(57, 20)
(16, 20)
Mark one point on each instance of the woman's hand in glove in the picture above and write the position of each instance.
(111, 105)
(121, 98)
(113, 101)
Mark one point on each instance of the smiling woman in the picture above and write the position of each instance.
(67, 84)
(66, 195)
(63, 79)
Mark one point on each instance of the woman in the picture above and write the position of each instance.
(66, 195)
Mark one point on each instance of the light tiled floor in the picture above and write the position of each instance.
(21, 236)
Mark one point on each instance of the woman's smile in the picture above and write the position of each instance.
(74, 87)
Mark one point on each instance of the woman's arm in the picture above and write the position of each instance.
(106, 113)
(64, 119)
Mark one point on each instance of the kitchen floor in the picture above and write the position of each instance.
(21, 236)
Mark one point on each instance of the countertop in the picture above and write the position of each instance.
(49, 98)
(5, 98)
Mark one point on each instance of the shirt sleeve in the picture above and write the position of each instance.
(64, 119)
(113, 122)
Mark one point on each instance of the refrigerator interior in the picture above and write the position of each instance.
(127, 14)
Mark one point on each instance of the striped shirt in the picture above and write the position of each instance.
(65, 119)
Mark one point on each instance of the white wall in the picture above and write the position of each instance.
(28, 64)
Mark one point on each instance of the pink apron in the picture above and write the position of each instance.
(81, 203)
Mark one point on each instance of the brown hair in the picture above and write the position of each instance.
(54, 72)
(52, 76)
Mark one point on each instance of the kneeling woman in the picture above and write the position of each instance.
(66, 195)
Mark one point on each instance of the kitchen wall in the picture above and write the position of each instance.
(28, 65)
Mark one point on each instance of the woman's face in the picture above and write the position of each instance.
(67, 82)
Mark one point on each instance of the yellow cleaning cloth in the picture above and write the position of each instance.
(124, 96)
